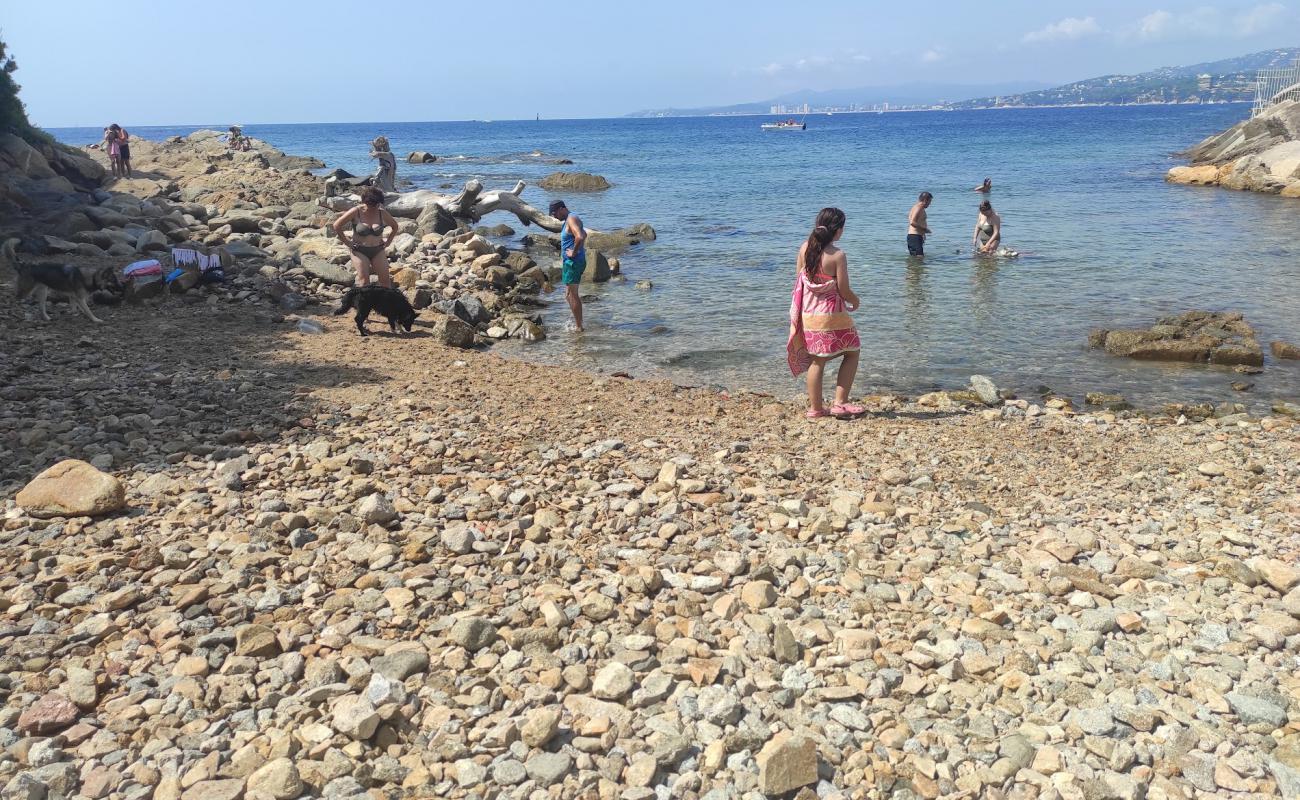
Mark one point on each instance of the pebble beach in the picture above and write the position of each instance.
(284, 564)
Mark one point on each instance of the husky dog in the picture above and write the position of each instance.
(389, 302)
(42, 278)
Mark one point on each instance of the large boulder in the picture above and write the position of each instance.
(329, 273)
(598, 269)
(1260, 154)
(43, 175)
(519, 262)
(453, 332)
(574, 182)
(72, 488)
(617, 241)
(238, 248)
(240, 221)
(421, 157)
(435, 219)
(467, 307)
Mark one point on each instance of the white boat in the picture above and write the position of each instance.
(784, 125)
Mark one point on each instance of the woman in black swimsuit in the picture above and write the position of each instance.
(369, 244)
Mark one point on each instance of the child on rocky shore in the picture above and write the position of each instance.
(820, 326)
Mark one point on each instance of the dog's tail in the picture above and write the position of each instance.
(347, 301)
(9, 253)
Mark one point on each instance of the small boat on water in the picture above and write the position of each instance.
(784, 125)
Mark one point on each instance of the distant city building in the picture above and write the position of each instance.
(1205, 82)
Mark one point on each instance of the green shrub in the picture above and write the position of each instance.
(13, 117)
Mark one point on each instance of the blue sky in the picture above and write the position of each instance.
(144, 62)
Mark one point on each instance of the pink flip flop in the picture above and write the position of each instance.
(811, 414)
(847, 410)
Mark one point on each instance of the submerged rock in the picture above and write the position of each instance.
(1285, 350)
(573, 182)
(1196, 337)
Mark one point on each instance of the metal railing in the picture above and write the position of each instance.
(1272, 86)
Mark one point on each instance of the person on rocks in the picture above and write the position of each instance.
(236, 140)
(386, 176)
(917, 229)
(988, 229)
(369, 244)
(113, 146)
(124, 148)
(820, 326)
(573, 249)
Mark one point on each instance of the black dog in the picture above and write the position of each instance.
(390, 303)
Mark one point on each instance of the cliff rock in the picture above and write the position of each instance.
(1261, 154)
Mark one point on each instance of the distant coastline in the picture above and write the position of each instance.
(938, 109)
(1231, 80)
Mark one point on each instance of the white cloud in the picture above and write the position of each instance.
(1154, 25)
(1259, 19)
(1207, 22)
(932, 55)
(1066, 29)
(818, 63)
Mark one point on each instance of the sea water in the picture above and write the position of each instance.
(1104, 241)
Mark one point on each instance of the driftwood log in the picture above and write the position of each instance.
(473, 203)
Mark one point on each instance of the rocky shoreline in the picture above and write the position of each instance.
(313, 565)
(1260, 154)
(270, 214)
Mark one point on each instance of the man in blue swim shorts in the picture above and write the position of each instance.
(573, 240)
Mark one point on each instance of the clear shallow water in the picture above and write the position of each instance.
(1106, 242)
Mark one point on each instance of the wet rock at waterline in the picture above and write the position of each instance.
(574, 182)
(1197, 336)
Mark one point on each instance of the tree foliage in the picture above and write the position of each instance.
(13, 117)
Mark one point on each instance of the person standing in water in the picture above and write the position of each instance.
(573, 253)
(917, 229)
(820, 326)
(985, 188)
(988, 230)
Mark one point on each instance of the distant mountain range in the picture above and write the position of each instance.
(1229, 80)
(866, 97)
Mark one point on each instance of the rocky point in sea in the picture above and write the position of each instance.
(390, 568)
(1260, 154)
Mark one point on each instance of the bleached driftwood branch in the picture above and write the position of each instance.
(473, 203)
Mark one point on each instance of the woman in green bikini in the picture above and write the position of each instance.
(369, 243)
(988, 230)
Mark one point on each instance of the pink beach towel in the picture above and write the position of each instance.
(819, 324)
